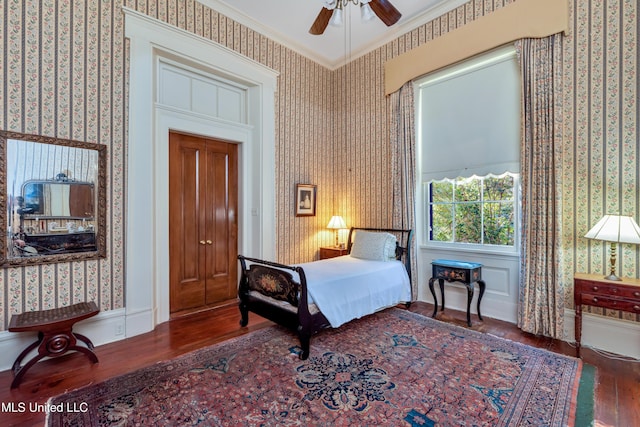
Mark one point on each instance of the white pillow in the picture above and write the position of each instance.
(375, 246)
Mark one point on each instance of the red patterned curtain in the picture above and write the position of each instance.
(542, 292)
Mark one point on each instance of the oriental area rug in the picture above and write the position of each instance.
(393, 368)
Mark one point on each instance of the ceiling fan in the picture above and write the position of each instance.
(331, 12)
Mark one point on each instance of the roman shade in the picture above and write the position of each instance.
(470, 118)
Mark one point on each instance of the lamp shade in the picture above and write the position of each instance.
(337, 223)
(616, 228)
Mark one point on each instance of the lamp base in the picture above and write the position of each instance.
(612, 261)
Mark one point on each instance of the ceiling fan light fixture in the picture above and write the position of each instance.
(331, 13)
(336, 17)
(366, 13)
(329, 4)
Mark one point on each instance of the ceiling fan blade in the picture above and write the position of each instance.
(385, 11)
(321, 22)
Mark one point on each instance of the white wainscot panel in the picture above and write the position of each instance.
(175, 89)
(189, 89)
(500, 273)
(230, 104)
(203, 94)
(497, 280)
(501, 297)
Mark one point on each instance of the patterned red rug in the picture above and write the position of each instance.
(392, 368)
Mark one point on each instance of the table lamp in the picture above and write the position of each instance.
(337, 223)
(615, 229)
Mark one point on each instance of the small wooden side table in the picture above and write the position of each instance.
(594, 290)
(332, 252)
(55, 335)
(457, 271)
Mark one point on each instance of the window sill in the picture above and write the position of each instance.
(503, 253)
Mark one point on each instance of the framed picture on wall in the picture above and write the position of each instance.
(305, 200)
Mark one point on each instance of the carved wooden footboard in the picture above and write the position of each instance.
(270, 290)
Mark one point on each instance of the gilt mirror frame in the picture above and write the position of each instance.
(100, 206)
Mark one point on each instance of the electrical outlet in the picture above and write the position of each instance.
(119, 329)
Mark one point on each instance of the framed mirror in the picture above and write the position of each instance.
(54, 208)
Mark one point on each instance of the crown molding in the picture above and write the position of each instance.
(393, 33)
(401, 29)
(276, 36)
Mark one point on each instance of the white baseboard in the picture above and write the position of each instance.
(139, 322)
(105, 327)
(605, 333)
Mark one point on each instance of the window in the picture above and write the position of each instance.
(469, 152)
(476, 210)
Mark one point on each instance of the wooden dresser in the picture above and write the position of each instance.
(594, 290)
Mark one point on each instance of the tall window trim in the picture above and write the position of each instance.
(494, 159)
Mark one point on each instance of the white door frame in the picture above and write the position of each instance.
(147, 220)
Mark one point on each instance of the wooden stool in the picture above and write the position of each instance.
(55, 335)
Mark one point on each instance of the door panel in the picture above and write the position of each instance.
(186, 275)
(202, 230)
(224, 254)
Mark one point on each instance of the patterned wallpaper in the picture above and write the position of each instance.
(64, 73)
(602, 144)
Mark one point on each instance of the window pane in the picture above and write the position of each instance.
(498, 188)
(474, 210)
(467, 190)
(442, 191)
(468, 223)
(498, 224)
(442, 223)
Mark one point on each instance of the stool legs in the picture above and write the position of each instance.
(51, 344)
(85, 340)
(19, 371)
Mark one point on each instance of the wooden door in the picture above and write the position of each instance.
(203, 247)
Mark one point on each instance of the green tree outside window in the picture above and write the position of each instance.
(476, 210)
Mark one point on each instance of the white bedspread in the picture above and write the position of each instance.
(346, 288)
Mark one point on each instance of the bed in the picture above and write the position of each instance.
(312, 296)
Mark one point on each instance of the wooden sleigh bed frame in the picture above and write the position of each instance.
(285, 300)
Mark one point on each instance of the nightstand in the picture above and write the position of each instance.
(332, 252)
(594, 290)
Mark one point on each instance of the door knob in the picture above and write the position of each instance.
(202, 242)
(209, 242)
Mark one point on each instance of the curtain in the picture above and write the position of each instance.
(403, 168)
(541, 291)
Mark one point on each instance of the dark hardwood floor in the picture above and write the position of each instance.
(617, 381)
